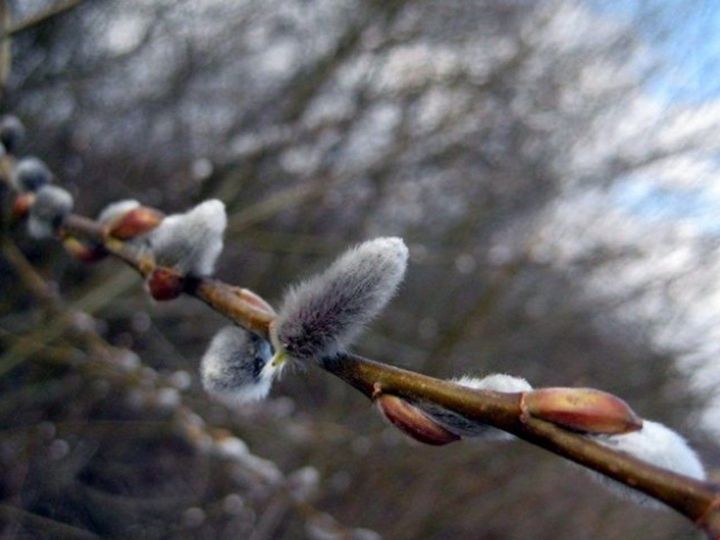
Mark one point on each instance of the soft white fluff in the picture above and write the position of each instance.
(12, 132)
(191, 242)
(658, 445)
(321, 316)
(237, 366)
(466, 427)
(30, 174)
(116, 210)
(498, 382)
(51, 205)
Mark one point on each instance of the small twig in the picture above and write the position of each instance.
(41, 17)
(697, 500)
(5, 45)
(36, 523)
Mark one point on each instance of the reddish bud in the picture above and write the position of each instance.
(84, 252)
(21, 205)
(582, 409)
(256, 301)
(135, 222)
(165, 284)
(413, 422)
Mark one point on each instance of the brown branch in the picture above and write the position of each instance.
(697, 500)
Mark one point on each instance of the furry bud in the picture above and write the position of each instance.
(135, 223)
(655, 444)
(469, 427)
(114, 211)
(165, 284)
(582, 409)
(413, 422)
(12, 132)
(30, 174)
(237, 366)
(51, 205)
(323, 315)
(190, 242)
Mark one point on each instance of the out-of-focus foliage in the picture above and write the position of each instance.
(489, 134)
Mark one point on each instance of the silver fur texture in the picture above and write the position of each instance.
(321, 316)
(235, 367)
(12, 132)
(51, 205)
(117, 209)
(655, 444)
(190, 242)
(466, 427)
(31, 174)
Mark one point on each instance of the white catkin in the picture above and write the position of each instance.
(12, 132)
(51, 205)
(655, 444)
(321, 316)
(236, 367)
(190, 242)
(30, 174)
(116, 210)
(466, 427)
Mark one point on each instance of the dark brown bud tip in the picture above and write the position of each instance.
(21, 205)
(413, 422)
(135, 223)
(582, 409)
(84, 252)
(165, 284)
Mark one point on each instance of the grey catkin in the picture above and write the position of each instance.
(30, 174)
(51, 205)
(191, 242)
(468, 427)
(236, 366)
(116, 210)
(322, 315)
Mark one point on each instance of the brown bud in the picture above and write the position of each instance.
(84, 252)
(413, 422)
(21, 205)
(246, 295)
(582, 409)
(165, 284)
(135, 222)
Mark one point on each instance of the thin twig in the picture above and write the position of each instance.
(41, 17)
(697, 500)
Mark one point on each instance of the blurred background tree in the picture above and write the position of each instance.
(555, 188)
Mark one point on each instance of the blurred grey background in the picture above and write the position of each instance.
(552, 165)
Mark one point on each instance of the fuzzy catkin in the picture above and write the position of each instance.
(12, 132)
(466, 427)
(31, 174)
(321, 316)
(116, 210)
(655, 444)
(51, 205)
(191, 242)
(235, 366)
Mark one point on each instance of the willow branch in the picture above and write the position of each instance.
(697, 500)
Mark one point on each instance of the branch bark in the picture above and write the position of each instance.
(698, 501)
